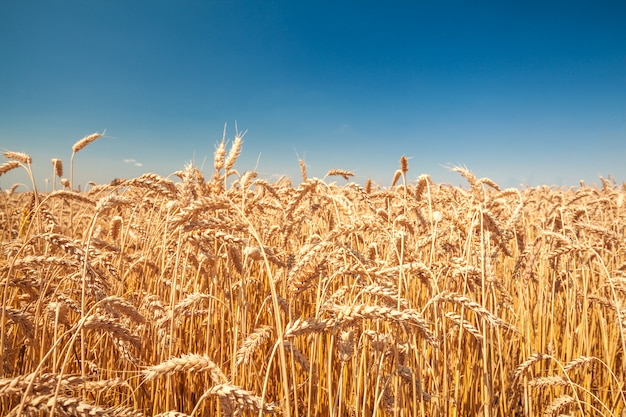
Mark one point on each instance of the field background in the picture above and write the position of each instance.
(194, 295)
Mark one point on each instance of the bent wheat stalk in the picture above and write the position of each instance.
(78, 146)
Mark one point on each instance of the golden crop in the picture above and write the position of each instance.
(184, 296)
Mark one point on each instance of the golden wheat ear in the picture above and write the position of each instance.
(340, 172)
(19, 156)
(80, 145)
(404, 164)
(8, 166)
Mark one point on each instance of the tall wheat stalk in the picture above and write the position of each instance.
(78, 146)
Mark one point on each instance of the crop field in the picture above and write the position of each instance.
(227, 294)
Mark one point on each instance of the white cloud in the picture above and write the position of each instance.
(133, 161)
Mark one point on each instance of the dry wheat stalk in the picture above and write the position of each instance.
(234, 152)
(153, 305)
(307, 186)
(58, 313)
(19, 156)
(555, 407)
(345, 345)
(471, 179)
(78, 146)
(72, 406)
(19, 384)
(567, 249)
(185, 363)
(219, 156)
(345, 314)
(116, 227)
(117, 330)
(153, 182)
(38, 261)
(256, 253)
(548, 381)
(114, 305)
(68, 246)
(298, 356)
(396, 177)
(489, 182)
(534, 358)
(340, 172)
(422, 271)
(183, 305)
(386, 292)
(72, 195)
(380, 342)
(254, 340)
(57, 166)
(22, 318)
(245, 179)
(423, 182)
(303, 170)
(578, 362)
(621, 315)
(306, 326)
(475, 307)
(404, 164)
(110, 201)
(232, 396)
(457, 319)
(8, 166)
(103, 384)
(40, 385)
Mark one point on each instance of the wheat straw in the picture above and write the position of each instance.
(233, 154)
(254, 340)
(78, 146)
(340, 172)
(8, 166)
(57, 165)
(183, 364)
(19, 156)
(232, 396)
(404, 165)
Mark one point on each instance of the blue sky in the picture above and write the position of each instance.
(525, 93)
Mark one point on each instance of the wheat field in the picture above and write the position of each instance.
(233, 295)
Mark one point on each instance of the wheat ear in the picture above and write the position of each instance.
(8, 166)
(185, 363)
(233, 396)
(19, 156)
(78, 146)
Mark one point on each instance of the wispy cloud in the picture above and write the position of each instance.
(133, 161)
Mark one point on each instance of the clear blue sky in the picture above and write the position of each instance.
(526, 92)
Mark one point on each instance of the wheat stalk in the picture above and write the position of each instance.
(22, 157)
(345, 314)
(254, 340)
(184, 364)
(232, 396)
(8, 166)
(340, 172)
(77, 147)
